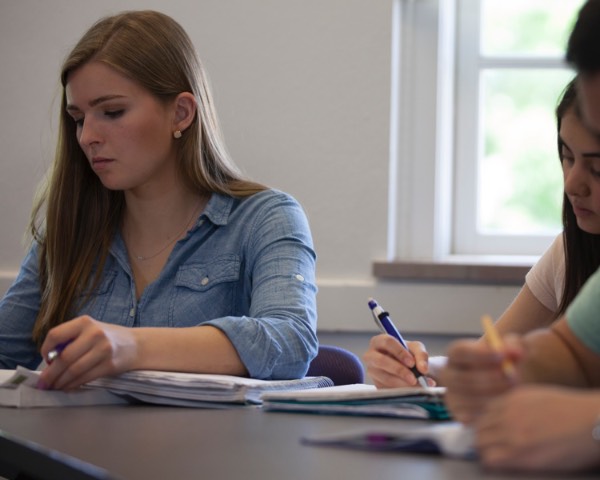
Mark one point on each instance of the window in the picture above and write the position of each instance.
(473, 160)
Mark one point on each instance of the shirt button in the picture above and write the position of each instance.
(132, 312)
(299, 277)
(204, 281)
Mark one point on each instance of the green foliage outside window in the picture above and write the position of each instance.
(520, 179)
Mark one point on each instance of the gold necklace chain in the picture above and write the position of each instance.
(143, 258)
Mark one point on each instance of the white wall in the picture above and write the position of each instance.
(302, 87)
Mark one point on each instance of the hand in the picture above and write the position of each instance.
(93, 349)
(473, 376)
(540, 428)
(388, 363)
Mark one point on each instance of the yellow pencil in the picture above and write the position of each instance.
(492, 336)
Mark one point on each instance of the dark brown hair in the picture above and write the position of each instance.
(582, 249)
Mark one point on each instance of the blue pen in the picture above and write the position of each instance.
(56, 351)
(384, 322)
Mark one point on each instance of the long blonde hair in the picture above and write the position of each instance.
(81, 215)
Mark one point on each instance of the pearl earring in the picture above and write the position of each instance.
(177, 134)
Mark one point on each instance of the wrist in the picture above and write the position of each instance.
(138, 347)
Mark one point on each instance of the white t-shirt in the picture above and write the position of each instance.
(546, 279)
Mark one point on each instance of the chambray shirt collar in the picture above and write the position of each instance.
(218, 209)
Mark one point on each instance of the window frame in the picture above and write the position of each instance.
(426, 200)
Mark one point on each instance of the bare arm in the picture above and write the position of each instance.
(556, 355)
(550, 357)
(203, 349)
(524, 314)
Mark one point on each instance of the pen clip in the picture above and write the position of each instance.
(377, 319)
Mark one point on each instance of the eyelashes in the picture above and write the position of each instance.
(110, 114)
(114, 113)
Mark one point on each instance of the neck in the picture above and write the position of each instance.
(161, 213)
(150, 224)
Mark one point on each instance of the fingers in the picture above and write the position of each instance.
(388, 362)
(90, 353)
(499, 439)
(420, 355)
(473, 377)
(70, 373)
(60, 337)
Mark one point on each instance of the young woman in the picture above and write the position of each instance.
(552, 283)
(145, 222)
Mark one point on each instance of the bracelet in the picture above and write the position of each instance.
(596, 430)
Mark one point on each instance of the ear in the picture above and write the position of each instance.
(185, 111)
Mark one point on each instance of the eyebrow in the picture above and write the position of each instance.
(584, 155)
(94, 102)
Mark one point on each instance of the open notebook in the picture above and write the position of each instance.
(17, 389)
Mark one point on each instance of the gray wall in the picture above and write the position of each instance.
(302, 88)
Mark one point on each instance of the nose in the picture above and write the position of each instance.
(576, 180)
(88, 133)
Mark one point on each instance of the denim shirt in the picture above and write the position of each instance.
(247, 267)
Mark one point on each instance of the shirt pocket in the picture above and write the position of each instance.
(205, 291)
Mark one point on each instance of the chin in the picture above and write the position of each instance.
(588, 227)
(115, 186)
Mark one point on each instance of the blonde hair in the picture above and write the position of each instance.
(81, 215)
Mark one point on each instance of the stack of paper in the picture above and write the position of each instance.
(426, 403)
(194, 389)
(18, 389)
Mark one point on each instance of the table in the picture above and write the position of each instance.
(153, 442)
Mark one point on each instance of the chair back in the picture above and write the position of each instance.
(340, 365)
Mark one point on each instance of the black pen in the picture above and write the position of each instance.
(385, 324)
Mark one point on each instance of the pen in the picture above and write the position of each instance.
(493, 338)
(56, 351)
(384, 322)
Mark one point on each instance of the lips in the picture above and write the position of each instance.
(581, 211)
(96, 160)
(99, 163)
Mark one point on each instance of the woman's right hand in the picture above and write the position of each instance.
(93, 349)
(388, 362)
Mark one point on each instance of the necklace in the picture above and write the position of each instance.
(143, 258)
